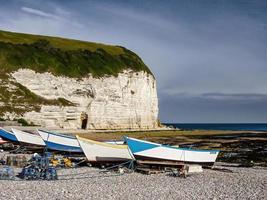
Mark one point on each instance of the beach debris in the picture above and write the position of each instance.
(194, 168)
(149, 171)
(7, 173)
(120, 170)
(16, 160)
(61, 161)
(247, 163)
(222, 169)
(39, 169)
(2, 162)
(179, 172)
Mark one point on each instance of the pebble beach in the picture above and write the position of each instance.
(90, 183)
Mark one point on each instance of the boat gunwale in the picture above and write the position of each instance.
(117, 146)
(26, 133)
(168, 146)
(10, 132)
(57, 134)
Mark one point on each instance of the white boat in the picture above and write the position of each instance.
(28, 138)
(103, 152)
(149, 151)
(60, 142)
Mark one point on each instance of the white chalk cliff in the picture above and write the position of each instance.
(128, 101)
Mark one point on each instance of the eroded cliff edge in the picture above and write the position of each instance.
(126, 101)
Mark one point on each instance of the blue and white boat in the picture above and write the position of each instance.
(60, 142)
(28, 138)
(7, 135)
(149, 151)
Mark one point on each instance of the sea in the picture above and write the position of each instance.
(220, 126)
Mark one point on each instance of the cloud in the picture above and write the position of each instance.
(39, 13)
(222, 96)
(134, 15)
(235, 97)
(61, 15)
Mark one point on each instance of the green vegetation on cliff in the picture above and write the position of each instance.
(66, 57)
(18, 99)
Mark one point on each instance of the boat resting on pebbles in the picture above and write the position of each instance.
(60, 142)
(28, 138)
(103, 152)
(153, 152)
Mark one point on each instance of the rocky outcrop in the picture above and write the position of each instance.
(128, 101)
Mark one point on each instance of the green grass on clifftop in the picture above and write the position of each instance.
(72, 58)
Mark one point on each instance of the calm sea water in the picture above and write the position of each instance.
(221, 126)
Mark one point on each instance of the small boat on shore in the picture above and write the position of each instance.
(103, 152)
(149, 151)
(7, 135)
(60, 142)
(28, 138)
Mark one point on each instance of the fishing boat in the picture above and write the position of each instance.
(28, 138)
(149, 151)
(103, 152)
(7, 135)
(60, 142)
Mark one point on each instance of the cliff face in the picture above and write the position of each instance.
(126, 101)
(57, 82)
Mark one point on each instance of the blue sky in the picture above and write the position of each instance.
(209, 57)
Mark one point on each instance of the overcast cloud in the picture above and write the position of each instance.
(209, 57)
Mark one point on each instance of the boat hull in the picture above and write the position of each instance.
(104, 152)
(148, 151)
(2, 141)
(28, 138)
(60, 142)
(8, 135)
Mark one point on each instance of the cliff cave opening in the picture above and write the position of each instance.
(84, 119)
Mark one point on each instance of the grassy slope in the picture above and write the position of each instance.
(57, 42)
(67, 57)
